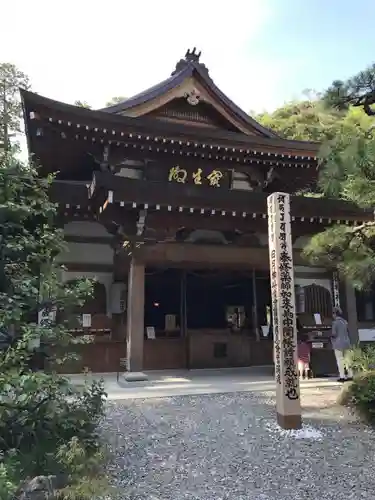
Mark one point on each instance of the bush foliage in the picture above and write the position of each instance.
(360, 393)
(361, 358)
(47, 426)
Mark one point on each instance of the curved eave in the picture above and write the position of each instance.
(236, 110)
(175, 80)
(145, 125)
(150, 93)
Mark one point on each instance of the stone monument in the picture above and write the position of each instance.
(288, 404)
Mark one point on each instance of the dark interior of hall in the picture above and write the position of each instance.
(177, 300)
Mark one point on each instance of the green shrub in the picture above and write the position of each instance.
(40, 411)
(360, 395)
(361, 358)
(86, 480)
(9, 477)
(47, 426)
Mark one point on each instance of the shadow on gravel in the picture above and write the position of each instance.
(327, 414)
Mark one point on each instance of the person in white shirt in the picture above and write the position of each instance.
(341, 343)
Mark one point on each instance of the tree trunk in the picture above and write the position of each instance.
(5, 118)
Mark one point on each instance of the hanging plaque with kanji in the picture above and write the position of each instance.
(200, 176)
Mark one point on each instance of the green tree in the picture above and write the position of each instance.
(348, 173)
(308, 120)
(44, 420)
(82, 104)
(11, 79)
(115, 100)
(111, 102)
(358, 91)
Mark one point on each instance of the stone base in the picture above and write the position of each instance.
(135, 377)
(289, 422)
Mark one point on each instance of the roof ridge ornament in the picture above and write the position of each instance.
(191, 58)
(192, 55)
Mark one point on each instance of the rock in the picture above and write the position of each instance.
(38, 488)
(41, 488)
(135, 377)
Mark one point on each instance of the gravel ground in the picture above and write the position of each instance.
(227, 446)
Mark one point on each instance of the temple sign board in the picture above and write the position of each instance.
(210, 177)
(288, 404)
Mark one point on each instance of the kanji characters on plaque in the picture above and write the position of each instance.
(198, 177)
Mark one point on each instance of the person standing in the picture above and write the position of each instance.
(340, 341)
(304, 355)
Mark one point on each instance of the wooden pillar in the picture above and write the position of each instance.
(183, 317)
(135, 316)
(255, 307)
(288, 404)
(351, 311)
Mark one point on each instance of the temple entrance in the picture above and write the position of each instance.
(163, 300)
(218, 300)
(206, 318)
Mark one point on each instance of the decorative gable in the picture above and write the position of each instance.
(199, 113)
(189, 95)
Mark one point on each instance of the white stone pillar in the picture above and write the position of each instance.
(288, 404)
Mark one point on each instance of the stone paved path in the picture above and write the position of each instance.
(226, 446)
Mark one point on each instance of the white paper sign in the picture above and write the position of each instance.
(150, 332)
(317, 318)
(86, 320)
(44, 315)
(265, 330)
(366, 335)
(317, 345)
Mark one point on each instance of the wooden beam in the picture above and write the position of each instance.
(88, 267)
(74, 215)
(72, 193)
(233, 153)
(95, 240)
(124, 217)
(210, 256)
(216, 222)
(176, 195)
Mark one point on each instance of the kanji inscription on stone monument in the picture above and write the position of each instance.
(288, 404)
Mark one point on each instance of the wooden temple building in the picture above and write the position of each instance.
(163, 199)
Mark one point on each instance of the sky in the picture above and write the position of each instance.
(261, 53)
